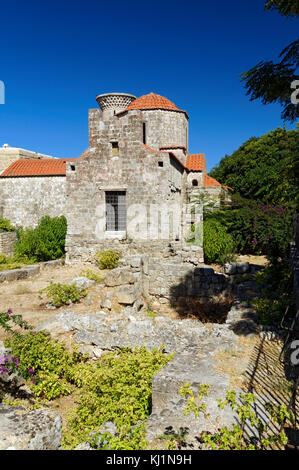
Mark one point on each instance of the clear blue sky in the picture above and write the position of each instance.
(57, 56)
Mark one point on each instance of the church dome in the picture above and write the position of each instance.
(152, 101)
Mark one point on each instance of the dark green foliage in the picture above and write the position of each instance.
(257, 228)
(265, 169)
(218, 245)
(284, 7)
(271, 82)
(276, 286)
(43, 243)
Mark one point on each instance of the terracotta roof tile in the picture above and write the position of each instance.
(36, 167)
(209, 181)
(196, 162)
(153, 101)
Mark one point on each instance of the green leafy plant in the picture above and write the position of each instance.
(107, 259)
(91, 275)
(9, 320)
(7, 263)
(63, 294)
(218, 245)
(235, 438)
(275, 283)
(43, 243)
(117, 389)
(45, 361)
(264, 169)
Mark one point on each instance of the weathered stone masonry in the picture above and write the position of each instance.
(25, 200)
(125, 191)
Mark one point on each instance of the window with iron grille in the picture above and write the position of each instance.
(116, 211)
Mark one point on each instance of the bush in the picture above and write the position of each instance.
(45, 361)
(7, 263)
(5, 226)
(43, 243)
(257, 229)
(276, 286)
(63, 294)
(218, 245)
(107, 259)
(91, 275)
(118, 388)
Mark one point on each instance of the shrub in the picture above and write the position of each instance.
(91, 275)
(7, 263)
(118, 389)
(5, 226)
(107, 259)
(63, 294)
(8, 320)
(45, 361)
(257, 229)
(275, 283)
(43, 243)
(218, 245)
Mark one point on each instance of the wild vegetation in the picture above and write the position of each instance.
(107, 259)
(117, 388)
(63, 294)
(42, 243)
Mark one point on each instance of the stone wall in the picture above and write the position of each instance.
(177, 281)
(148, 178)
(24, 200)
(140, 278)
(7, 243)
(165, 128)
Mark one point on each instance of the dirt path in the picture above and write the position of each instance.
(22, 296)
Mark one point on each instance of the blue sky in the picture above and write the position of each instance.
(57, 56)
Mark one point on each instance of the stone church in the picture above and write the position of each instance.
(130, 190)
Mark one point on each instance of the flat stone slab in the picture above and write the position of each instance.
(27, 271)
(168, 406)
(109, 331)
(29, 430)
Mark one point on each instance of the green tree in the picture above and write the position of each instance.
(284, 7)
(271, 82)
(264, 168)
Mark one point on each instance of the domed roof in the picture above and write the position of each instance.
(152, 101)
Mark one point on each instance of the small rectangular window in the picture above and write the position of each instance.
(115, 149)
(116, 211)
(160, 164)
(73, 168)
(144, 132)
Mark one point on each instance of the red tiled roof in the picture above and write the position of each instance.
(37, 167)
(196, 162)
(209, 181)
(153, 101)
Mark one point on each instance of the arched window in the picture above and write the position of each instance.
(194, 183)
